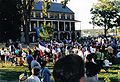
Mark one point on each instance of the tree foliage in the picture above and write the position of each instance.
(106, 14)
(25, 7)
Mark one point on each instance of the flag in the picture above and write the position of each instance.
(42, 46)
(41, 32)
(38, 32)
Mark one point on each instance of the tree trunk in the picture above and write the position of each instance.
(105, 30)
(26, 30)
(27, 19)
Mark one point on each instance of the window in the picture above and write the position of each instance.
(31, 14)
(55, 26)
(34, 15)
(56, 36)
(62, 16)
(72, 26)
(61, 26)
(38, 14)
(51, 15)
(56, 15)
(67, 26)
(73, 16)
(68, 16)
(33, 25)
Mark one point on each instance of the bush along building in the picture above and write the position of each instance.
(61, 20)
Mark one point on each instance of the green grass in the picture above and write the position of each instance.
(112, 74)
(11, 73)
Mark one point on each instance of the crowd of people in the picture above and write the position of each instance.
(93, 53)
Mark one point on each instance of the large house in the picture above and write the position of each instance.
(62, 19)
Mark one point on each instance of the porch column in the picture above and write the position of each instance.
(58, 31)
(30, 26)
(38, 24)
(70, 25)
(64, 26)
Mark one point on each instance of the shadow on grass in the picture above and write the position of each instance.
(114, 79)
(110, 72)
(9, 75)
(115, 68)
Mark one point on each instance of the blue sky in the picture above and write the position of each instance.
(82, 12)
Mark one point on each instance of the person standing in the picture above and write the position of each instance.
(29, 60)
(34, 76)
(2, 56)
(45, 72)
(92, 69)
(34, 62)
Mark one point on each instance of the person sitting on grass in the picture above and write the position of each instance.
(21, 62)
(69, 69)
(107, 65)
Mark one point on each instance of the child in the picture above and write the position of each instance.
(21, 62)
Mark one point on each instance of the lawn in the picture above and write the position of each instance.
(11, 73)
(113, 74)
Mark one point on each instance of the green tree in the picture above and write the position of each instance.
(25, 8)
(106, 14)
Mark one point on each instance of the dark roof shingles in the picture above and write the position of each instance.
(55, 7)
